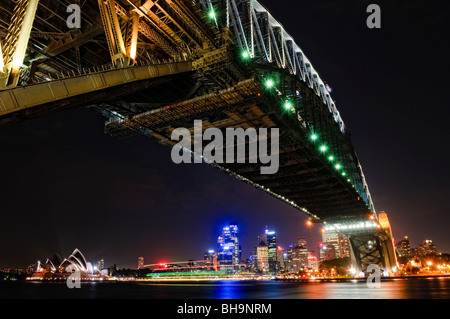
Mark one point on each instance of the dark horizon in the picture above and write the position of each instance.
(66, 185)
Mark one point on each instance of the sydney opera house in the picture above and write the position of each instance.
(56, 268)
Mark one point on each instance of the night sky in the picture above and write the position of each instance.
(65, 184)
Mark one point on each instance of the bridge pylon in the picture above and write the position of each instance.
(371, 243)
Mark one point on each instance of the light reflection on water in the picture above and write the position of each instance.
(414, 288)
(411, 288)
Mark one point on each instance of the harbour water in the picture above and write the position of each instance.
(396, 288)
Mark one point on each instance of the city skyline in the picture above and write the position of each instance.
(66, 184)
(314, 249)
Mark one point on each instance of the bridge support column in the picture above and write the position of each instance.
(373, 248)
(16, 41)
(121, 32)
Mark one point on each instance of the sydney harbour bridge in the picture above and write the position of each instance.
(152, 66)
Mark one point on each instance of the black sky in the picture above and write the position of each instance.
(65, 184)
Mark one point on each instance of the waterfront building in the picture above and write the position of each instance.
(56, 269)
(101, 264)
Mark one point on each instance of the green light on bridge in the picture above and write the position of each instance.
(314, 137)
(269, 83)
(288, 105)
(343, 173)
(323, 148)
(338, 166)
(331, 158)
(245, 55)
(212, 14)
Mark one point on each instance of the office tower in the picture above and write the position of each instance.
(288, 258)
(280, 258)
(340, 243)
(140, 264)
(321, 252)
(262, 257)
(270, 239)
(263, 236)
(329, 251)
(300, 255)
(404, 248)
(313, 262)
(303, 252)
(427, 248)
(228, 248)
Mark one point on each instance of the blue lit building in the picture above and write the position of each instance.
(228, 248)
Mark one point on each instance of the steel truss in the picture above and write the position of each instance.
(265, 40)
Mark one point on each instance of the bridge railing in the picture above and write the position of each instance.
(259, 34)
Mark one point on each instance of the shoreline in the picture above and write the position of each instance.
(300, 280)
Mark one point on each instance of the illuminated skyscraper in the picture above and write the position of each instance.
(262, 257)
(404, 248)
(228, 248)
(270, 239)
(300, 255)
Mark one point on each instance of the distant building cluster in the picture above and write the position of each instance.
(424, 259)
(404, 248)
(267, 257)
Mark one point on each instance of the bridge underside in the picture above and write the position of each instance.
(187, 64)
(303, 179)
